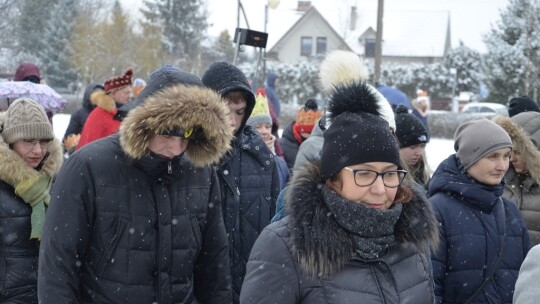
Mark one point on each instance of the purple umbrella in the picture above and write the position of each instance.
(43, 94)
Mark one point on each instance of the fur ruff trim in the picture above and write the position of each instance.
(522, 142)
(103, 100)
(183, 107)
(13, 169)
(322, 247)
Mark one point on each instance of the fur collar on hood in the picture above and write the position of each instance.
(522, 142)
(180, 106)
(322, 247)
(13, 169)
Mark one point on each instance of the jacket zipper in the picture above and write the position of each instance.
(169, 167)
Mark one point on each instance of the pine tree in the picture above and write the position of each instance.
(467, 63)
(513, 59)
(183, 25)
(33, 18)
(56, 52)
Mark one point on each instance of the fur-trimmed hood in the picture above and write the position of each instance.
(180, 106)
(103, 100)
(321, 246)
(521, 141)
(14, 169)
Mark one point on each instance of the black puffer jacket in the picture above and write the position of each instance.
(309, 241)
(249, 183)
(248, 176)
(127, 226)
(18, 253)
(290, 146)
(78, 118)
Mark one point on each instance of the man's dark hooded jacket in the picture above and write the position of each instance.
(248, 176)
(78, 118)
(129, 226)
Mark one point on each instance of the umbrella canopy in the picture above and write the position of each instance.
(395, 96)
(43, 94)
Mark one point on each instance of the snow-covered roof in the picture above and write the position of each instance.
(411, 33)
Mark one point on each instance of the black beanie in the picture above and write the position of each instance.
(409, 129)
(357, 133)
(522, 104)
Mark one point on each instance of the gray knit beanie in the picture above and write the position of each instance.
(26, 119)
(476, 138)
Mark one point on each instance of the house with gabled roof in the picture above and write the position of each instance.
(305, 33)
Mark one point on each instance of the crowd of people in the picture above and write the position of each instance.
(175, 188)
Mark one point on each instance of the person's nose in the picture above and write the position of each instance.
(178, 146)
(232, 118)
(378, 186)
(502, 164)
(36, 148)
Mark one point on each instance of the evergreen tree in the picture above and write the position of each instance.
(513, 59)
(56, 52)
(33, 18)
(467, 63)
(183, 25)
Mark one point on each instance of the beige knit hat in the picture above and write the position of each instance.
(26, 119)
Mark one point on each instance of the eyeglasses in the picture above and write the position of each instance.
(31, 143)
(365, 177)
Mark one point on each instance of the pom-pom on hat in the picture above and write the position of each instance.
(343, 68)
(119, 81)
(410, 130)
(358, 133)
(25, 119)
(261, 111)
(522, 104)
(307, 117)
(477, 138)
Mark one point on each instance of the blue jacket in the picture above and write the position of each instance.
(472, 224)
(271, 93)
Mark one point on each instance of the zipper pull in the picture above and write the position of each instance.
(169, 167)
(237, 191)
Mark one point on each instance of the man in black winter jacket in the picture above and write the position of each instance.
(136, 217)
(248, 175)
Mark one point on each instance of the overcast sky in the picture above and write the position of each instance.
(470, 19)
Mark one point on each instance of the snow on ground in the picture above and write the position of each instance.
(437, 150)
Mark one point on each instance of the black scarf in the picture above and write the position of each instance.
(372, 230)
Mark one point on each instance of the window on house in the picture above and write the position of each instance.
(370, 47)
(321, 45)
(305, 48)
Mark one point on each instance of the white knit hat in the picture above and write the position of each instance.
(26, 119)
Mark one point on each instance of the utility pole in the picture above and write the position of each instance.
(378, 41)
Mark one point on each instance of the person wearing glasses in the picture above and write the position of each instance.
(136, 217)
(30, 157)
(483, 236)
(356, 230)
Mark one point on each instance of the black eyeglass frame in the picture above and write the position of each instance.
(382, 174)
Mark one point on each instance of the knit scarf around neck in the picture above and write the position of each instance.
(372, 230)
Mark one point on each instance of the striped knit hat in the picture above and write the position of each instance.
(26, 119)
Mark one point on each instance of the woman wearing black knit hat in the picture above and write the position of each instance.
(352, 233)
(413, 136)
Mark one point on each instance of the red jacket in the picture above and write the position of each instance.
(100, 123)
